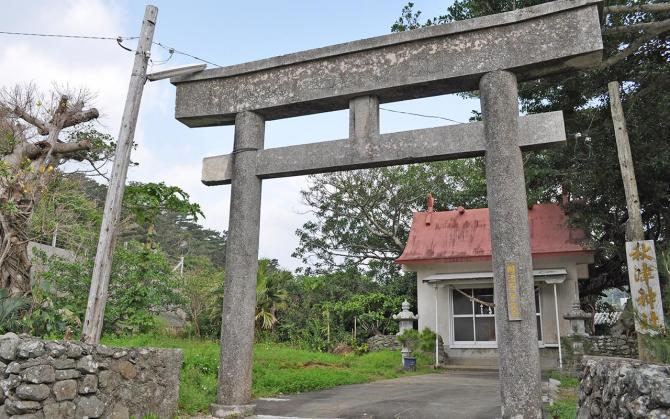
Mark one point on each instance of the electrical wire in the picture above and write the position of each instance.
(176, 51)
(421, 115)
(118, 39)
(172, 51)
(55, 35)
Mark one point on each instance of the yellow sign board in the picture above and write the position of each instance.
(644, 287)
(512, 285)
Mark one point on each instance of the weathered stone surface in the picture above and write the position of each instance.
(109, 380)
(64, 364)
(425, 62)
(659, 414)
(430, 144)
(618, 346)
(118, 411)
(62, 410)
(67, 374)
(9, 347)
(13, 368)
(19, 407)
(65, 390)
(39, 374)
(241, 255)
(11, 382)
(104, 351)
(88, 384)
(150, 384)
(125, 368)
(516, 326)
(87, 365)
(36, 392)
(54, 349)
(31, 349)
(37, 415)
(661, 392)
(383, 343)
(74, 351)
(623, 388)
(91, 407)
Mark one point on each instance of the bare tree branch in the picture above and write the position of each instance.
(650, 27)
(650, 34)
(655, 7)
(69, 148)
(81, 116)
(42, 128)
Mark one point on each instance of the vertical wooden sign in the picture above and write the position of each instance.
(644, 286)
(512, 286)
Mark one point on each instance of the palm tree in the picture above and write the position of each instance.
(271, 295)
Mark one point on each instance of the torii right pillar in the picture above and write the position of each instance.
(520, 386)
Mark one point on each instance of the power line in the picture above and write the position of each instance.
(118, 39)
(421, 115)
(56, 35)
(176, 51)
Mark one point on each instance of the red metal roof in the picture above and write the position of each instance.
(452, 236)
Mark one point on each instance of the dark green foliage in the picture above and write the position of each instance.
(66, 212)
(371, 311)
(148, 201)
(588, 167)
(178, 234)
(141, 284)
(362, 218)
(414, 340)
(202, 290)
(321, 310)
(271, 294)
(10, 309)
(658, 345)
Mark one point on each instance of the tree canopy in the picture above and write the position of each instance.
(362, 217)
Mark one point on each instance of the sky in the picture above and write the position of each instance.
(224, 33)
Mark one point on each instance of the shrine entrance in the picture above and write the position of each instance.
(490, 54)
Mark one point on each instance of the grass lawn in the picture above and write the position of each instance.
(278, 369)
(565, 404)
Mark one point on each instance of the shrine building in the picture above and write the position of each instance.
(451, 253)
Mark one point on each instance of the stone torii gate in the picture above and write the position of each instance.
(491, 54)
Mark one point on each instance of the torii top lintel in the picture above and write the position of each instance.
(532, 42)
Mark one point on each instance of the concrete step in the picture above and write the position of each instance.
(486, 363)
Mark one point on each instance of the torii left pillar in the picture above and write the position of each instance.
(239, 298)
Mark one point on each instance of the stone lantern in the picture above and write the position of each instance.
(406, 318)
(406, 322)
(578, 334)
(577, 317)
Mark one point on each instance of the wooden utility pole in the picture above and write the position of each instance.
(642, 269)
(634, 229)
(97, 297)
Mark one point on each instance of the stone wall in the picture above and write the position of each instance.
(66, 379)
(619, 346)
(390, 343)
(383, 343)
(623, 388)
(574, 347)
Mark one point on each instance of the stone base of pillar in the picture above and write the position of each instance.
(232, 410)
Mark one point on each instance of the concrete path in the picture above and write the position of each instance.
(450, 395)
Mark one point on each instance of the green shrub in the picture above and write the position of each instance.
(418, 341)
(141, 284)
(10, 309)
